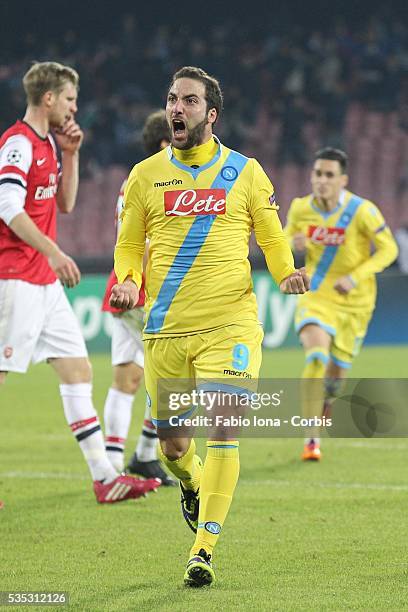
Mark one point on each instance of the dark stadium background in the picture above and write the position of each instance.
(296, 76)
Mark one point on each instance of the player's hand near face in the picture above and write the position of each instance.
(298, 282)
(125, 295)
(299, 242)
(344, 285)
(65, 268)
(69, 137)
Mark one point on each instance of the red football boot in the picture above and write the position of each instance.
(124, 487)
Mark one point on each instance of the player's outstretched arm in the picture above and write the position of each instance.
(298, 282)
(124, 295)
(64, 267)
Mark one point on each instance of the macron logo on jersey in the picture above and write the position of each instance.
(327, 236)
(168, 183)
(194, 202)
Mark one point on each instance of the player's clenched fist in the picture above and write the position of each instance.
(344, 285)
(124, 296)
(298, 282)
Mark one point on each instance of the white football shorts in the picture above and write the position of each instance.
(36, 323)
(127, 343)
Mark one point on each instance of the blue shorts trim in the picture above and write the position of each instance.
(180, 418)
(330, 330)
(225, 388)
(343, 364)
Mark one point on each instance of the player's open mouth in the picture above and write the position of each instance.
(179, 128)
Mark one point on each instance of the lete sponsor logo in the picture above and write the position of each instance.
(193, 202)
(328, 236)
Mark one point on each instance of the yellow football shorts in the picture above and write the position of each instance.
(230, 356)
(348, 329)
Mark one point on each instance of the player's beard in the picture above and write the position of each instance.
(194, 138)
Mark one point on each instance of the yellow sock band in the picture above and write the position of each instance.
(222, 449)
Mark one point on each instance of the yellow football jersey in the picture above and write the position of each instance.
(198, 222)
(339, 243)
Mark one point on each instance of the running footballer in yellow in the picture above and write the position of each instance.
(336, 229)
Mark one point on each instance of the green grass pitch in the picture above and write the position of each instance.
(328, 536)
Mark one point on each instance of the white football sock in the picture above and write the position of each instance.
(117, 416)
(146, 449)
(84, 423)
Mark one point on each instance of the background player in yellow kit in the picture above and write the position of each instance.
(335, 228)
(197, 202)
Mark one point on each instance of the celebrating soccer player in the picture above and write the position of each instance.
(196, 202)
(335, 228)
(127, 354)
(37, 322)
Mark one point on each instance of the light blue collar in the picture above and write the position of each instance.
(194, 171)
(328, 213)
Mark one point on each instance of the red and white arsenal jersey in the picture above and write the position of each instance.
(28, 163)
(112, 280)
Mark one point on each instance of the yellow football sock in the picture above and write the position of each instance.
(187, 469)
(313, 391)
(218, 481)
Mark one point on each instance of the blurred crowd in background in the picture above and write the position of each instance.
(288, 90)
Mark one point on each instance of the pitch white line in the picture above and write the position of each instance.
(40, 436)
(326, 485)
(371, 444)
(44, 475)
(374, 444)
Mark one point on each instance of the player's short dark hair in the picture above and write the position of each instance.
(333, 155)
(213, 93)
(47, 76)
(155, 130)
